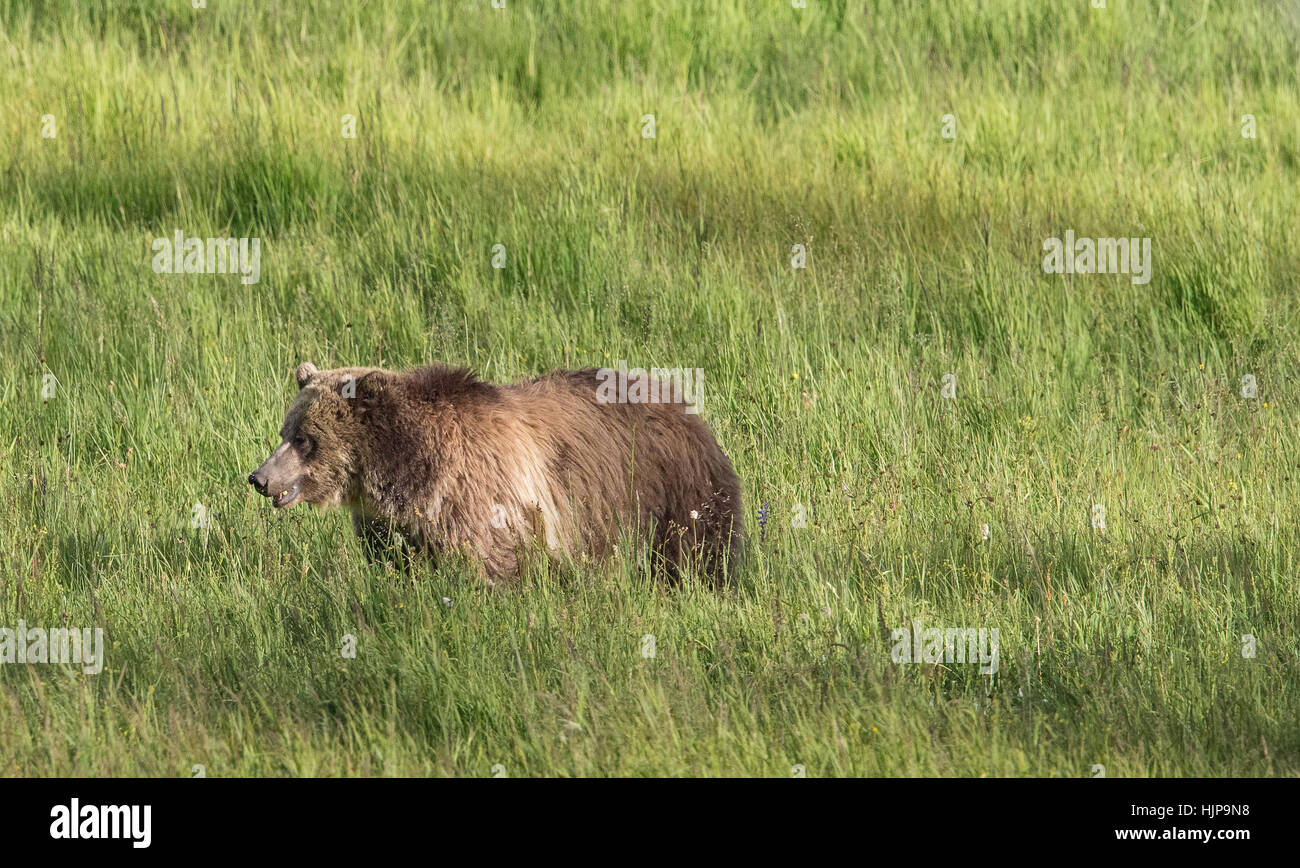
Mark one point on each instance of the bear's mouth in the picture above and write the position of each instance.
(287, 496)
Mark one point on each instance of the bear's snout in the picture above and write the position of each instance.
(280, 477)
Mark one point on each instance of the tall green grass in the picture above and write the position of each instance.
(775, 126)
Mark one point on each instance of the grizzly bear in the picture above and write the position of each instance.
(455, 464)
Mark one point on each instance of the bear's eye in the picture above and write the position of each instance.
(303, 443)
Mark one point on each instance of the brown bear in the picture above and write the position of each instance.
(456, 464)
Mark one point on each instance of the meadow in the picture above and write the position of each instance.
(928, 426)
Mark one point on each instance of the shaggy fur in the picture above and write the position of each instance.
(457, 464)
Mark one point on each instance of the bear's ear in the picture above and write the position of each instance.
(305, 372)
(371, 390)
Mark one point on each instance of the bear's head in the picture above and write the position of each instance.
(318, 459)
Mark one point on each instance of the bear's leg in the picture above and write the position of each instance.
(381, 541)
(708, 541)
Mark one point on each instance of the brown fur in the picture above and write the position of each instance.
(437, 455)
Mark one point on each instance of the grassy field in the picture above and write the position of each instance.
(1121, 640)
